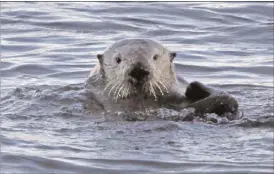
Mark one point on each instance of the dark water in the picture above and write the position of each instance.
(47, 50)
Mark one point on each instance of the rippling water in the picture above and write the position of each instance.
(47, 50)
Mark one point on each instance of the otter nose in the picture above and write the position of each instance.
(138, 73)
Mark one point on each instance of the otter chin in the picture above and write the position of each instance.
(139, 74)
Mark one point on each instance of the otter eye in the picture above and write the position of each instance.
(155, 57)
(118, 59)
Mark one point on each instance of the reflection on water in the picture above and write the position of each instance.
(48, 48)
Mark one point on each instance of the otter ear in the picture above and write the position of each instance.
(172, 56)
(100, 58)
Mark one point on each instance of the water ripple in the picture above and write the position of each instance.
(48, 48)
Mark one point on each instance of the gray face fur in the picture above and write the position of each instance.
(122, 57)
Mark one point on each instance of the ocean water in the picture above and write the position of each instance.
(48, 48)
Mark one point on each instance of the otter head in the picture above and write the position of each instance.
(135, 67)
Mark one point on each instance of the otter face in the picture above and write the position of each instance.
(137, 66)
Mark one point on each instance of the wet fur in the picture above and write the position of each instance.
(108, 80)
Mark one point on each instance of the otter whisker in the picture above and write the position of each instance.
(108, 85)
(119, 90)
(123, 92)
(154, 87)
(149, 88)
(152, 90)
(117, 83)
(157, 85)
(126, 91)
(118, 94)
(119, 86)
(164, 85)
(158, 82)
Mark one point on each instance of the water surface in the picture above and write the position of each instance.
(48, 48)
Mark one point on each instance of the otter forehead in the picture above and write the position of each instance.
(128, 46)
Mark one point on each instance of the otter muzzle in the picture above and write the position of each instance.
(138, 74)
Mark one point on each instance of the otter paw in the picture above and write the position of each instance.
(196, 91)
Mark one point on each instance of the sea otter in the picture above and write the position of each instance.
(139, 75)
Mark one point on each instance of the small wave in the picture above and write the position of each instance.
(13, 162)
(66, 75)
(187, 114)
(260, 70)
(27, 163)
(264, 122)
(33, 69)
(18, 48)
(84, 26)
(248, 86)
(37, 91)
(45, 100)
(5, 65)
(186, 68)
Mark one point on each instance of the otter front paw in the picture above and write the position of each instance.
(196, 91)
